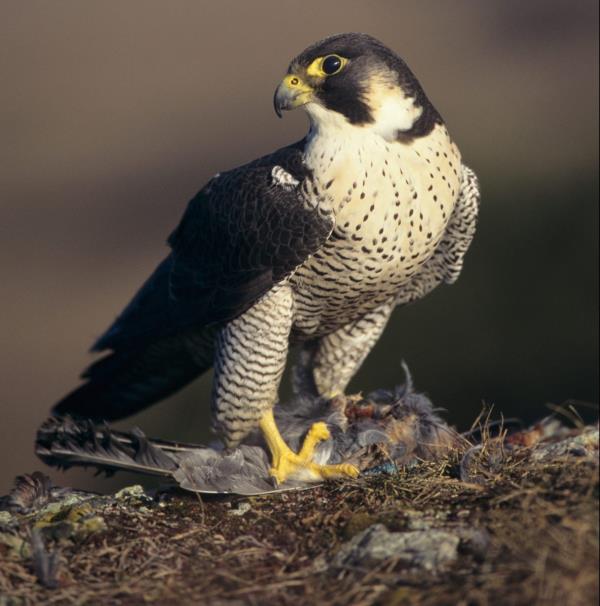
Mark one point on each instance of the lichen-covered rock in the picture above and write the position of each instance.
(135, 492)
(76, 521)
(429, 550)
(14, 546)
(583, 444)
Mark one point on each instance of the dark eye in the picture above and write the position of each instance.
(331, 65)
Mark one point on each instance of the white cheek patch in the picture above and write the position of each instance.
(393, 113)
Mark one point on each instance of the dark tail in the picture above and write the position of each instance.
(125, 382)
(67, 442)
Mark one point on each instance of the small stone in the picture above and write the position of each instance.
(242, 508)
(136, 491)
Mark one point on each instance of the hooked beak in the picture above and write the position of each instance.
(291, 93)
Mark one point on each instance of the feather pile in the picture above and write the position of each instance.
(378, 433)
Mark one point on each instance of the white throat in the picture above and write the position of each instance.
(341, 155)
(393, 113)
(334, 144)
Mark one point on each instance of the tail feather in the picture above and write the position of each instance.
(66, 442)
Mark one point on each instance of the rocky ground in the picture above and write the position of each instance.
(508, 521)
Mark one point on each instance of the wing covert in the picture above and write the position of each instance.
(244, 232)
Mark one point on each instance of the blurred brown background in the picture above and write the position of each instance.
(114, 114)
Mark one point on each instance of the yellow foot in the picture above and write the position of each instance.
(287, 464)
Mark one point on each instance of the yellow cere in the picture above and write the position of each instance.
(296, 83)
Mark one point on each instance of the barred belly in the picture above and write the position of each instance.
(392, 205)
(350, 288)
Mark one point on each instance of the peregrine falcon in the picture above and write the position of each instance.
(313, 245)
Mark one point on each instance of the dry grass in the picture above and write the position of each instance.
(540, 520)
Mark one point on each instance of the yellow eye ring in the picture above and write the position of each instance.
(329, 65)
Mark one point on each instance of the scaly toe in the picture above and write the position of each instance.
(283, 468)
(319, 431)
(330, 472)
(293, 467)
(349, 470)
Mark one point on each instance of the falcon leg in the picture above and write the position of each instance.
(327, 365)
(251, 354)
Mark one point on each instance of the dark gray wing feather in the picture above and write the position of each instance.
(240, 235)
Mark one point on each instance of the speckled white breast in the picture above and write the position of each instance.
(392, 203)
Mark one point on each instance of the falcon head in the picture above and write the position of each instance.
(355, 79)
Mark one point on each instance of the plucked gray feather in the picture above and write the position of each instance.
(387, 429)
